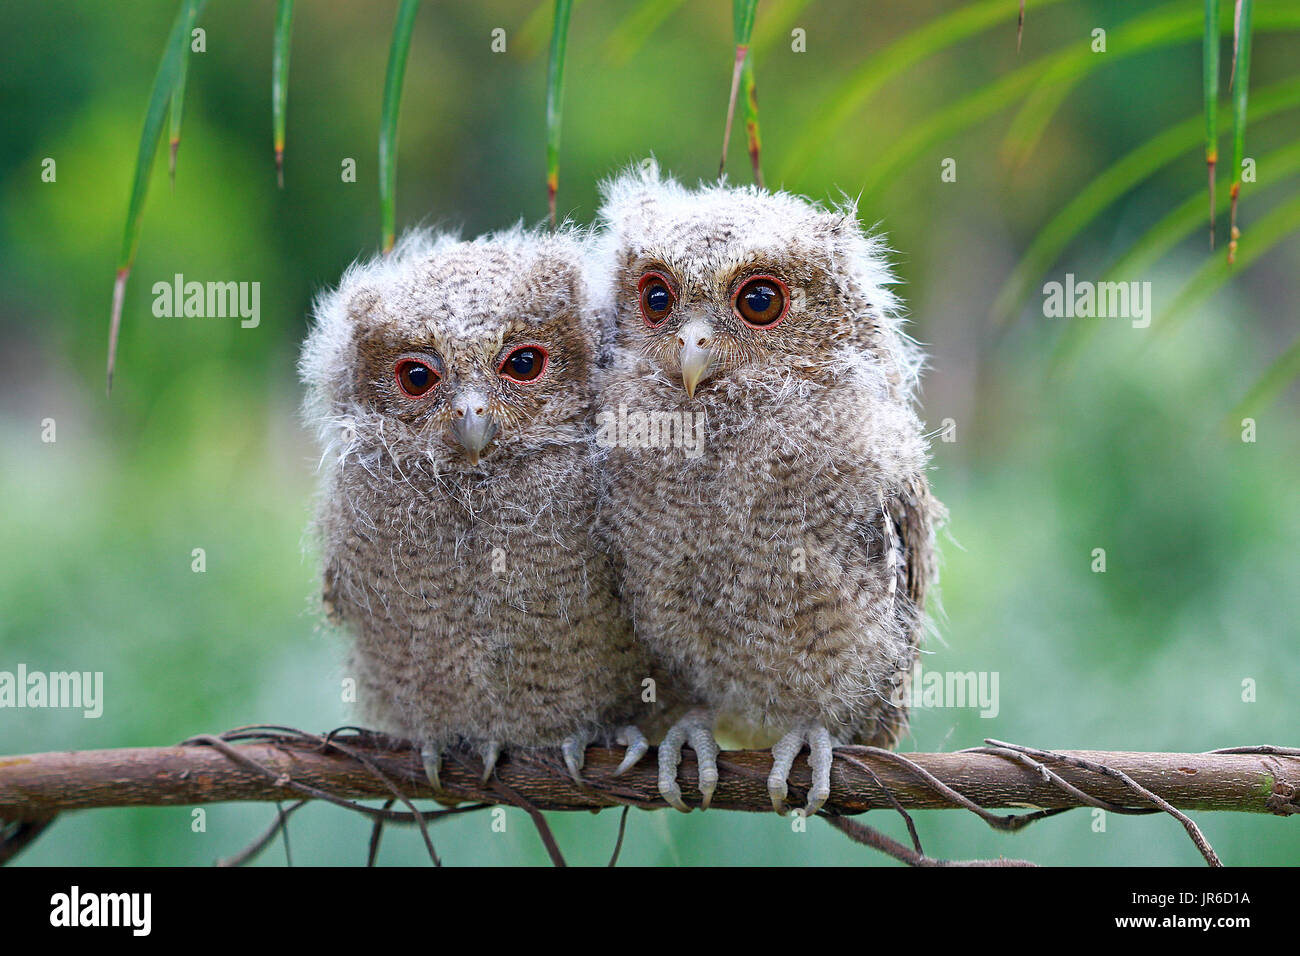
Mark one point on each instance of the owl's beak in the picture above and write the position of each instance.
(472, 425)
(696, 341)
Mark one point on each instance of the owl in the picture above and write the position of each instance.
(450, 385)
(768, 498)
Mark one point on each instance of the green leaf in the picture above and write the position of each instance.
(280, 80)
(1160, 239)
(1270, 385)
(177, 109)
(164, 85)
(879, 68)
(555, 99)
(1239, 83)
(397, 53)
(1117, 179)
(1280, 222)
(1210, 85)
(742, 14)
(626, 39)
(753, 136)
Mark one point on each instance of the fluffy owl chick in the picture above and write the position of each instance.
(450, 383)
(776, 562)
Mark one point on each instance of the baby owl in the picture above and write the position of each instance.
(450, 384)
(779, 574)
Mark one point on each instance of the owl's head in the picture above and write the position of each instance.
(451, 351)
(705, 282)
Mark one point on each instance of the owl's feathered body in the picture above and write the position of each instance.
(481, 612)
(779, 576)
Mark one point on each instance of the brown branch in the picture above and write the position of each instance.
(35, 786)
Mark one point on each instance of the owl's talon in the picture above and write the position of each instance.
(490, 752)
(574, 749)
(431, 757)
(636, 744)
(821, 755)
(696, 731)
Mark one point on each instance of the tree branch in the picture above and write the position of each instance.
(280, 764)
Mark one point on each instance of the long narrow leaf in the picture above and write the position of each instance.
(1274, 227)
(177, 109)
(1210, 84)
(397, 53)
(280, 80)
(1029, 124)
(879, 68)
(1166, 26)
(1112, 183)
(752, 134)
(638, 26)
(742, 14)
(164, 84)
(1158, 240)
(1240, 86)
(779, 17)
(555, 99)
(1284, 370)
(1020, 26)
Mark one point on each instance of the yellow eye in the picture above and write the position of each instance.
(762, 301)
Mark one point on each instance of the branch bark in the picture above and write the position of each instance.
(34, 786)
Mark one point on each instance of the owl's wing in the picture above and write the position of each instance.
(904, 525)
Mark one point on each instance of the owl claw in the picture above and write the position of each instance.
(431, 757)
(636, 744)
(821, 754)
(574, 749)
(490, 752)
(694, 730)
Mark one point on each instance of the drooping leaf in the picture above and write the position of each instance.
(1239, 84)
(1210, 85)
(638, 26)
(879, 68)
(177, 109)
(1109, 185)
(555, 99)
(280, 81)
(742, 15)
(753, 135)
(1160, 238)
(397, 53)
(164, 85)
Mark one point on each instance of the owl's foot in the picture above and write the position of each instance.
(821, 754)
(574, 749)
(636, 744)
(695, 730)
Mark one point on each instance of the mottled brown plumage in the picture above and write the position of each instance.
(779, 573)
(455, 523)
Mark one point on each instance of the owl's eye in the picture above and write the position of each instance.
(415, 377)
(524, 364)
(657, 297)
(762, 301)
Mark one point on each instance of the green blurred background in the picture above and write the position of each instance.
(200, 445)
